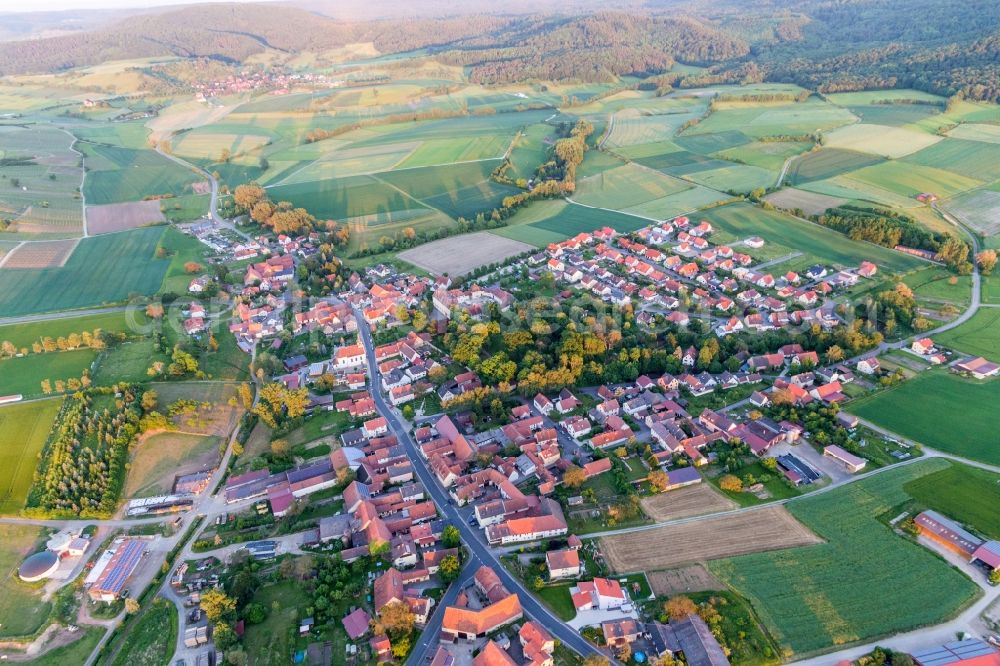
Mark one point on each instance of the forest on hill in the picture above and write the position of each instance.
(941, 46)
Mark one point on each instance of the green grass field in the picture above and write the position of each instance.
(826, 163)
(116, 174)
(551, 221)
(765, 154)
(966, 494)
(271, 641)
(974, 159)
(76, 652)
(980, 336)
(631, 129)
(941, 410)
(894, 115)
(977, 132)
(24, 375)
(909, 180)
(757, 120)
(738, 178)
(22, 335)
(23, 431)
(344, 197)
(22, 611)
(156, 460)
(863, 583)
(102, 269)
(627, 186)
(979, 209)
(742, 220)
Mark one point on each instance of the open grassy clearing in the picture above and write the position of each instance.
(24, 375)
(116, 174)
(530, 149)
(932, 284)
(826, 163)
(966, 494)
(821, 596)
(158, 459)
(76, 652)
(459, 255)
(712, 538)
(979, 209)
(743, 220)
(939, 409)
(39, 186)
(811, 203)
(880, 139)
(684, 502)
(909, 180)
(980, 336)
(22, 612)
(127, 264)
(23, 431)
(765, 154)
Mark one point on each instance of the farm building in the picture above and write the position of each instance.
(852, 462)
(978, 367)
(109, 581)
(947, 532)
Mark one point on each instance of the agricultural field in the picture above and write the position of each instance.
(976, 132)
(977, 160)
(820, 596)
(811, 203)
(22, 611)
(546, 222)
(866, 97)
(626, 186)
(960, 419)
(127, 265)
(24, 375)
(735, 178)
(739, 221)
(666, 547)
(123, 216)
(683, 580)
(116, 174)
(979, 209)
(158, 459)
(827, 163)
(773, 119)
(909, 180)
(23, 431)
(204, 144)
(40, 254)
(881, 140)
(633, 128)
(529, 150)
(980, 336)
(694, 500)
(346, 197)
(966, 494)
(41, 174)
(340, 163)
(463, 254)
(894, 115)
(23, 335)
(765, 154)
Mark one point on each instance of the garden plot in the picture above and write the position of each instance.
(122, 216)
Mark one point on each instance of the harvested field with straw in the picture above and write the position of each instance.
(121, 216)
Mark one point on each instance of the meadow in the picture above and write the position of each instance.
(22, 611)
(765, 154)
(157, 459)
(23, 335)
(116, 174)
(909, 180)
(880, 139)
(345, 197)
(980, 336)
(102, 269)
(979, 209)
(959, 419)
(773, 119)
(966, 494)
(863, 583)
(24, 375)
(150, 637)
(23, 431)
(551, 221)
(736, 178)
(627, 186)
(977, 160)
(742, 220)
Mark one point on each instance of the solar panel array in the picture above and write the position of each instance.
(124, 562)
(952, 652)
